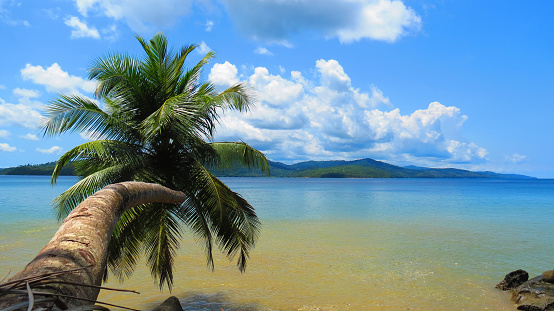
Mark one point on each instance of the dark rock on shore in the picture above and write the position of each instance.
(513, 280)
(170, 304)
(536, 294)
(548, 276)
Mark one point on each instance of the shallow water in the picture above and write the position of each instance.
(351, 245)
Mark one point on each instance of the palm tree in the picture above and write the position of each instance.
(157, 126)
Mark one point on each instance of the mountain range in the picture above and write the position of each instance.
(363, 168)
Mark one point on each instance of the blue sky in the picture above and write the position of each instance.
(437, 83)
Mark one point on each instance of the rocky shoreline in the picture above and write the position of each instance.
(536, 294)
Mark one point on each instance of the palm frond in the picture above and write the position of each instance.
(159, 66)
(237, 97)
(77, 114)
(176, 70)
(190, 77)
(196, 217)
(106, 152)
(118, 76)
(175, 111)
(161, 243)
(234, 154)
(231, 219)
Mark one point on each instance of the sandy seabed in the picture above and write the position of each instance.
(331, 266)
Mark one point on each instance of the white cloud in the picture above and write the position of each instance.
(56, 80)
(81, 29)
(142, 15)
(262, 51)
(275, 90)
(224, 75)
(26, 93)
(277, 20)
(203, 48)
(384, 20)
(209, 25)
(19, 114)
(422, 134)
(332, 75)
(29, 136)
(51, 150)
(515, 158)
(83, 6)
(2, 87)
(296, 118)
(25, 97)
(7, 148)
(4, 133)
(269, 20)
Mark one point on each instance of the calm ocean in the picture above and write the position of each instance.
(336, 244)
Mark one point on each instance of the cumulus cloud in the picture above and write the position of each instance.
(328, 118)
(381, 20)
(29, 136)
(4, 133)
(56, 80)
(273, 89)
(224, 75)
(421, 134)
(18, 114)
(7, 148)
(262, 51)
(81, 29)
(277, 20)
(142, 15)
(51, 150)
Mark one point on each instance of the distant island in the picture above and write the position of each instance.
(364, 168)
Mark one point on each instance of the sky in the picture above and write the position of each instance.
(436, 83)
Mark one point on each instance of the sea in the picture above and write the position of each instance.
(334, 244)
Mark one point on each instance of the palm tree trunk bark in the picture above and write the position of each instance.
(81, 242)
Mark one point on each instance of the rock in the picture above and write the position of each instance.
(534, 295)
(513, 280)
(548, 276)
(529, 308)
(170, 304)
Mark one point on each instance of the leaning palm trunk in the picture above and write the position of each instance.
(80, 244)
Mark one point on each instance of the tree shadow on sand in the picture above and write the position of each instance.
(196, 301)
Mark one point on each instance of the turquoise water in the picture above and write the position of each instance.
(27, 198)
(412, 200)
(338, 244)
